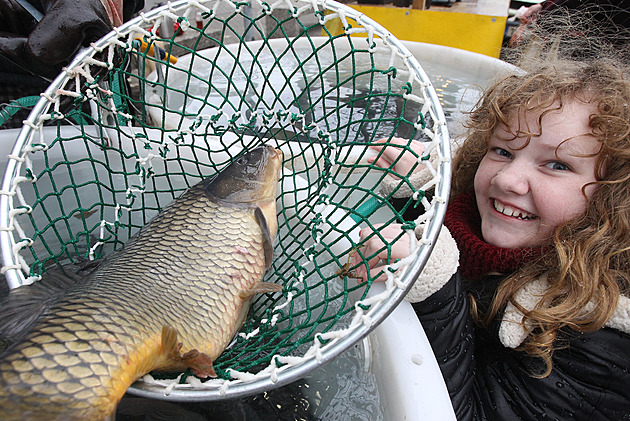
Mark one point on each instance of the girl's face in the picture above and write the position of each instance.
(524, 192)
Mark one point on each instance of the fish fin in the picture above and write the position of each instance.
(25, 305)
(170, 346)
(198, 362)
(260, 288)
(266, 234)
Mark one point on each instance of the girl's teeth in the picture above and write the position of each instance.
(506, 210)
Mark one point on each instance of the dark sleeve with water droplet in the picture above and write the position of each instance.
(450, 330)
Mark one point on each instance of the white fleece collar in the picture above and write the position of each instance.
(514, 329)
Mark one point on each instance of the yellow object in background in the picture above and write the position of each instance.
(151, 51)
(473, 32)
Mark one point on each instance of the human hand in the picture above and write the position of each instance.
(441, 265)
(376, 247)
(404, 162)
(529, 14)
(43, 47)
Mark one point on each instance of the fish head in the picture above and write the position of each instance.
(249, 180)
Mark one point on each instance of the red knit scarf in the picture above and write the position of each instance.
(478, 258)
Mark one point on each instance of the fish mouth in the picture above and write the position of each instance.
(278, 156)
(271, 175)
(512, 211)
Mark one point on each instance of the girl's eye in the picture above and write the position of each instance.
(558, 166)
(502, 152)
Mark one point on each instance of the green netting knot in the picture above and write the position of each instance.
(364, 307)
(185, 376)
(407, 88)
(79, 99)
(421, 194)
(309, 253)
(179, 139)
(279, 363)
(163, 151)
(222, 374)
(315, 230)
(425, 157)
(324, 136)
(392, 70)
(232, 121)
(39, 146)
(408, 225)
(28, 210)
(196, 123)
(323, 199)
(422, 121)
(267, 117)
(265, 327)
(322, 340)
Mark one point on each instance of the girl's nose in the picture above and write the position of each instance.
(513, 178)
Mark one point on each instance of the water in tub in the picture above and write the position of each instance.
(344, 388)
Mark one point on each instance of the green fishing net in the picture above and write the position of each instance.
(172, 97)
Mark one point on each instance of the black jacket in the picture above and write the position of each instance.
(590, 379)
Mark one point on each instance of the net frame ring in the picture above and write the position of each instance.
(281, 370)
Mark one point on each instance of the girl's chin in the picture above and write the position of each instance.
(507, 241)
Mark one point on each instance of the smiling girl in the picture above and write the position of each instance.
(535, 320)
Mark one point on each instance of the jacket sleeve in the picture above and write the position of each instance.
(439, 268)
(590, 379)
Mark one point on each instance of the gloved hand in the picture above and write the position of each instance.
(43, 47)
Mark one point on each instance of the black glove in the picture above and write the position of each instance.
(43, 47)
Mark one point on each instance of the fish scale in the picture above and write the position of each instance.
(179, 280)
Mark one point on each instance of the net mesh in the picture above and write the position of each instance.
(144, 114)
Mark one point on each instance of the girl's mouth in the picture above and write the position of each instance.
(514, 213)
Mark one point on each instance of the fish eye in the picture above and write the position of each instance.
(241, 160)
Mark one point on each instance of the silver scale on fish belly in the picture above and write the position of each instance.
(171, 299)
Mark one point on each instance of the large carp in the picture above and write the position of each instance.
(172, 298)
